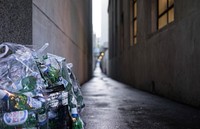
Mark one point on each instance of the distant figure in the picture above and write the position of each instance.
(97, 71)
(100, 63)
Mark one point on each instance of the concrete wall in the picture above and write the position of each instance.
(67, 26)
(166, 61)
(16, 21)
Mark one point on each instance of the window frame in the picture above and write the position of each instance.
(166, 11)
(133, 20)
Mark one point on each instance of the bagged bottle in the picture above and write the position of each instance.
(64, 117)
(53, 119)
(76, 89)
(78, 123)
(19, 119)
(28, 83)
(50, 70)
(19, 72)
(60, 118)
(42, 117)
(16, 102)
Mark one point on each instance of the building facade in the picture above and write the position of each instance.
(154, 45)
(104, 35)
(66, 25)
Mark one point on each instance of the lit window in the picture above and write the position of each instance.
(133, 22)
(165, 12)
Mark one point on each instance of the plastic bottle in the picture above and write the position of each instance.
(19, 119)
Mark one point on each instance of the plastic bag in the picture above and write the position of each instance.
(19, 72)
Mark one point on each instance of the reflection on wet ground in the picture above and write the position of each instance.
(113, 105)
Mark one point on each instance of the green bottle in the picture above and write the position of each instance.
(28, 83)
(31, 121)
(42, 118)
(16, 102)
(52, 74)
(49, 69)
(78, 123)
(54, 122)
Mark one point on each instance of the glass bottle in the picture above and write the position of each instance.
(28, 83)
(64, 117)
(16, 102)
(78, 123)
(42, 117)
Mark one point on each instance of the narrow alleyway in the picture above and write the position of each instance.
(113, 105)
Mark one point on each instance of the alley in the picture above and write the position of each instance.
(113, 105)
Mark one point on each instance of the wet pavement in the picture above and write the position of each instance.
(114, 105)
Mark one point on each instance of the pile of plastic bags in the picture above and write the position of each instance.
(37, 91)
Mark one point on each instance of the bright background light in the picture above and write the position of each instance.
(96, 17)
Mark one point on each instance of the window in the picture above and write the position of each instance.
(165, 12)
(133, 22)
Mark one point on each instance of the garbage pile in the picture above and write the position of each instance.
(37, 91)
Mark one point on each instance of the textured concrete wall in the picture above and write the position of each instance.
(16, 21)
(66, 25)
(163, 61)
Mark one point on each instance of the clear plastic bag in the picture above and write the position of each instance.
(76, 88)
(19, 72)
(46, 77)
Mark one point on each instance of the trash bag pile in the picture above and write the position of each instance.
(37, 91)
